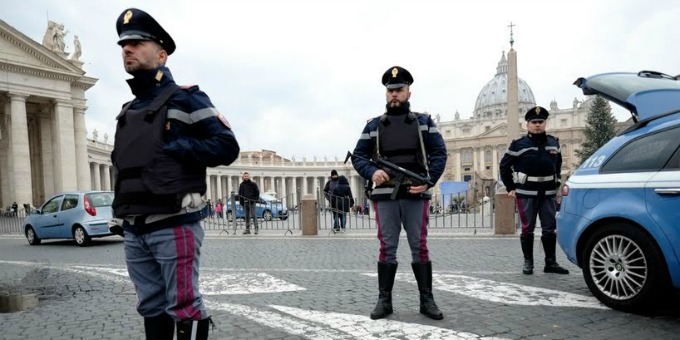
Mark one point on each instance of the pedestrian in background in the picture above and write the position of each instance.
(248, 196)
(166, 137)
(410, 140)
(530, 171)
(328, 194)
(342, 200)
(218, 208)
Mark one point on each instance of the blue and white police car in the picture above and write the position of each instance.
(619, 218)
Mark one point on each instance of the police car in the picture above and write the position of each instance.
(620, 214)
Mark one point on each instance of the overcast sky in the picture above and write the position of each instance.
(302, 77)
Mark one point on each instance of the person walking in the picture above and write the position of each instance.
(342, 201)
(328, 194)
(166, 137)
(410, 140)
(248, 196)
(530, 171)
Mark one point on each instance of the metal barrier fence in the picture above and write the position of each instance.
(277, 215)
(12, 222)
(456, 213)
(270, 215)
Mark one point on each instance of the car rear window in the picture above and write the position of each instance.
(101, 199)
(648, 153)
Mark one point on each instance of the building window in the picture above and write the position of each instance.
(466, 131)
(487, 156)
(467, 156)
(467, 178)
(487, 128)
(563, 122)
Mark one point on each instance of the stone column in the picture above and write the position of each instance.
(97, 177)
(47, 152)
(5, 157)
(304, 186)
(208, 191)
(475, 161)
(107, 177)
(65, 150)
(494, 163)
(284, 191)
(80, 135)
(219, 186)
(20, 158)
(456, 164)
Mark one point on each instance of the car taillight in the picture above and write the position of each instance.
(565, 190)
(89, 207)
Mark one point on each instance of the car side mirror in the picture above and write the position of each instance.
(36, 212)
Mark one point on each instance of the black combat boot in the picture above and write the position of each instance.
(551, 266)
(160, 327)
(423, 273)
(386, 273)
(194, 329)
(527, 242)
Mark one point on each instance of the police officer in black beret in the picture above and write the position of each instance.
(166, 137)
(412, 141)
(530, 170)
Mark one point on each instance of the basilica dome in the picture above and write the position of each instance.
(492, 100)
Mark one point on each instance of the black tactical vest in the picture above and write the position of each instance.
(399, 141)
(147, 180)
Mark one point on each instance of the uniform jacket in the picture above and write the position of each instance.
(536, 162)
(248, 192)
(341, 196)
(435, 150)
(194, 134)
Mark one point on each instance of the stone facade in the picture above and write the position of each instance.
(42, 122)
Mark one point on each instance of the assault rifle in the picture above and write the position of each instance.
(393, 170)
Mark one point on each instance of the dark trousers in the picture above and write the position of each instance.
(542, 207)
(250, 212)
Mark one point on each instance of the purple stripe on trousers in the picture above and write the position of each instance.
(424, 252)
(381, 256)
(184, 241)
(522, 216)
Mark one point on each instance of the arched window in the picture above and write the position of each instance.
(487, 156)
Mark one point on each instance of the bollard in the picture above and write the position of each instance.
(308, 215)
(17, 302)
(505, 215)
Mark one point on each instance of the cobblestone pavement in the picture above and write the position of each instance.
(269, 286)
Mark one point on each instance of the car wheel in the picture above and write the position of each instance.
(81, 237)
(230, 216)
(267, 215)
(623, 268)
(31, 237)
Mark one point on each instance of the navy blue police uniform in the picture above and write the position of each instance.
(412, 141)
(165, 139)
(531, 167)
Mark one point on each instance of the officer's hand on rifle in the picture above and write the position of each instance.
(380, 177)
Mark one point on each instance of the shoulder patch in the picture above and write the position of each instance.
(224, 120)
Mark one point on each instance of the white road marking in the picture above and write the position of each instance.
(278, 321)
(220, 283)
(504, 292)
(360, 326)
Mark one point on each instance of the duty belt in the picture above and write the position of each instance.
(540, 178)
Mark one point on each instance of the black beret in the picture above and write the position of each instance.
(396, 77)
(536, 112)
(135, 24)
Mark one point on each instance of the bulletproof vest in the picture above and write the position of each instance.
(399, 141)
(148, 181)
